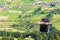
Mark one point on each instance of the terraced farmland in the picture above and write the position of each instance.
(18, 19)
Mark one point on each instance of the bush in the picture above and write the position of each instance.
(11, 38)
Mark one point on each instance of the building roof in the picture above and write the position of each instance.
(44, 23)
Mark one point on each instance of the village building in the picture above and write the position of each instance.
(44, 25)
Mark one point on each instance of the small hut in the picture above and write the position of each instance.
(44, 25)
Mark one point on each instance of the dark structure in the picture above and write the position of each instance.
(44, 25)
(45, 20)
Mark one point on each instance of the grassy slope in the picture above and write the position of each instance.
(56, 21)
(34, 18)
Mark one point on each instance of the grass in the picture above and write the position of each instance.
(13, 16)
(1, 1)
(58, 6)
(47, 0)
(37, 17)
(24, 8)
(4, 12)
(34, 19)
(28, 1)
(56, 21)
(20, 38)
(6, 23)
(29, 39)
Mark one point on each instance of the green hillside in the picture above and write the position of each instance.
(18, 19)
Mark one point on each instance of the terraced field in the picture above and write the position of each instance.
(19, 18)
